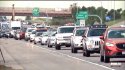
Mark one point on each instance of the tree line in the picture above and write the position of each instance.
(103, 13)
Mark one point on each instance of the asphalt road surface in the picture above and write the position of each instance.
(23, 55)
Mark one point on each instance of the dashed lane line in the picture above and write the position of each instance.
(74, 57)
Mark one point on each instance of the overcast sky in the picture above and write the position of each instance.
(64, 4)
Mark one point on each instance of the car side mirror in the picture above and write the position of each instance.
(102, 37)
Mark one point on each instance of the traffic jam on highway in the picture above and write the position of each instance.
(108, 42)
(85, 35)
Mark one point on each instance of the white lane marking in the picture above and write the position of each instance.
(75, 58)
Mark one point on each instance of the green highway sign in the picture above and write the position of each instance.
(35, 12)
(82, 15)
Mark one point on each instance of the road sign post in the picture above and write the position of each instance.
(82, 22)
(35, 12)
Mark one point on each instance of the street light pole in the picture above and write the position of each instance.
(46, 16)
(98, 17)
(114, 11)
(13, 13)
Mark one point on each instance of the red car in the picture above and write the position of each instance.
(112, 44)
(21, 34)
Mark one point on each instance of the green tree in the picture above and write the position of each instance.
(101, 12)
(123, 14)
(91, 11)
(74, 10)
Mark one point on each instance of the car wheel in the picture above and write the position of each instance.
(42, 43)
(101, 58)
(74, 50)
(106, 59)
(20, 38)
(67, 45)
(50, 46)
(84, 54)
(30, 40)
(87, 53)
(34, 42)
(26, 39)
(16, 38)
(57, 47)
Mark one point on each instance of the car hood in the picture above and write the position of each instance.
(116, 40)
(95, 38)
(77, 39)
(64, 34)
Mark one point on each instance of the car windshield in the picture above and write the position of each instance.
(45, 34)
(38, 33)
(80, 32)
(66, 30)
(41, 30)
(116, 34)
(15, 28)
(96, 32)
(30, 30)
(33, 32)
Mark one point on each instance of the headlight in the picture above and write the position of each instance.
(109, 44)
(91, 41)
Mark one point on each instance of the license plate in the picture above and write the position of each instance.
(123, 52)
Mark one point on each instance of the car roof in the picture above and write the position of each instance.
(116, 28)
(81, 28)
(70, 26)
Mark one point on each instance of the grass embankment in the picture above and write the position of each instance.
(114, 22)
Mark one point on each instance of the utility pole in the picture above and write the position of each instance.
(13, 13)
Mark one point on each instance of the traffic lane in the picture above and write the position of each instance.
(31, 57)
(95, 58)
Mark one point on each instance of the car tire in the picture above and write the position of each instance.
(67, 45)
(34, 42)
(57, 47)
(84, 54)
(101, 58)
(87, 53)
(42, 43)
(49, 46)
(106, 59)
(74, 50)
(30, 40)
(26, 39)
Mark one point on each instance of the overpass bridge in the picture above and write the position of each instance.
(44, 12)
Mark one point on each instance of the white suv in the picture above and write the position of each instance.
(63, 36)
(76, 39)
(91, 39)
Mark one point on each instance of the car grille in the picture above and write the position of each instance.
(97, 43)
(66, 37)
(121, 46)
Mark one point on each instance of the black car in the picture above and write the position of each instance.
(4, 34)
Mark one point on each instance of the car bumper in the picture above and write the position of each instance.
(114, 52)
(63, 41)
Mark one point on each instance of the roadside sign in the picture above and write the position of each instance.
(82, 15)
(82, 22)
(35, 12)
